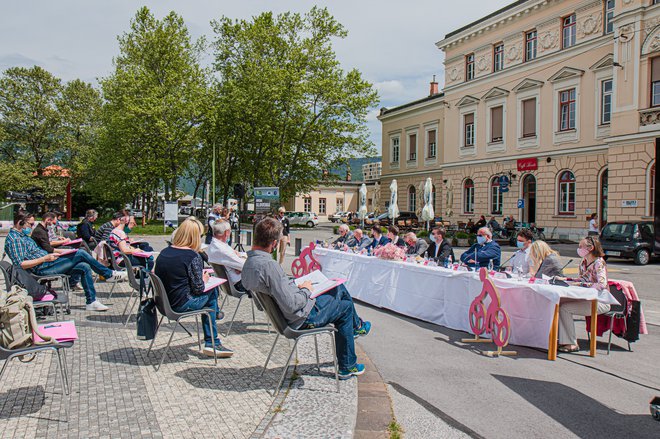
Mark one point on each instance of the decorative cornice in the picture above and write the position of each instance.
(566, 73)
(605, 62)
(494, 93)
(527, 84)
(591, 5)
(467, 100)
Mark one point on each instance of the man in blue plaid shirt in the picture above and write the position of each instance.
(24, 252)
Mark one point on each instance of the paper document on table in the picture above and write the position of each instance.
(320, 283)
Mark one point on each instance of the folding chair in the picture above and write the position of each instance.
(164, 308)
(134, 283)
(282, 328)
(113, 264)
(6, 270)
(617, 311)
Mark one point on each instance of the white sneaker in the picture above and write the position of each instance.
(96, 306)
(117, 276)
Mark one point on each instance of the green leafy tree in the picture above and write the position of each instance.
(154, 105)
(285, 108)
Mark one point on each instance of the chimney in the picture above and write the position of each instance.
(434, 87)
(348, 173)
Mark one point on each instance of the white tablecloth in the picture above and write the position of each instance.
(443, 296)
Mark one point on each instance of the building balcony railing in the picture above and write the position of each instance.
(649, 116)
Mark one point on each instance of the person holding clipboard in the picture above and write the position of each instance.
(295, 297)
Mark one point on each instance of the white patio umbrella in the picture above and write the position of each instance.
(427, 211)
(393, 210)
(362, 211)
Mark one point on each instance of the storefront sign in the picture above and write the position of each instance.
(504, 183)
(266, 199)
(628, 203)
(530, 164)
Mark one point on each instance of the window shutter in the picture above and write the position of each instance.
(496, 123)
(529, 117)
(469, 118)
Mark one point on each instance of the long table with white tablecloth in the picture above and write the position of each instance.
(443, 296)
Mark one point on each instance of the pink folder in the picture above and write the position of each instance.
(68, 251)
(74, 241)
(338, 281)
(141, 254)
(60, 331)
(46, 298)
(213, 282)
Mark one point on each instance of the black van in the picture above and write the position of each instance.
(629, 240)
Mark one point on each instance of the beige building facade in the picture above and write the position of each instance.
(548, 114)
(329, 198)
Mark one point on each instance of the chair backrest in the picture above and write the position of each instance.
(132, 280)
(273, 312)
(226, 287)
(5, 269)
(620, 297)
(111, 256)
(161, 299)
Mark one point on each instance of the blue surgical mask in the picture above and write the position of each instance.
(520, 244)
(481, 239)
(26, 231)
(127, 229)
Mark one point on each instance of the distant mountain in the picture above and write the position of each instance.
(356, 168)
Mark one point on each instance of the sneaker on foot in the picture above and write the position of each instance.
(356, 370)
(117, 276)
(220, 351)
(364, 330)
(96, 306)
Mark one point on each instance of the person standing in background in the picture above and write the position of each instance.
(593, 225)
(284, 240)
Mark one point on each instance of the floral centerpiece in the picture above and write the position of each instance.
(390, 252)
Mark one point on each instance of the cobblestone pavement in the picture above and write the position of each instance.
(117, 393)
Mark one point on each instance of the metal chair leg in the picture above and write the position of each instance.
(154, 339)
(270, 353)
(123, 313)
(224, 299)
(254, 319)
(212, 322)
(65, 378)
(334, 358)
(234, 316)
(184, 328)
(199, 340)
(316, 347)
(4, 366)
(609, 343)
(286, 367)
(66, 368)
(112, 290)
(130, 312)
(167, 347)
(62, 381)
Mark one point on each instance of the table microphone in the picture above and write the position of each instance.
(565, 265)
(502, 265)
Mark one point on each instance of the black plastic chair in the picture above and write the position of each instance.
(134, 283)
(617, 312)
(164, 308)
(282, 328)
(110, 255)
(62, 300)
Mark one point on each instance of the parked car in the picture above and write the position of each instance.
(337, 216)
(310, 219)
(629, 240)
(384, 220)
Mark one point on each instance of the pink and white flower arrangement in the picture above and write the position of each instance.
(390, 252)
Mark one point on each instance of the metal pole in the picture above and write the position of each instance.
(213, 173)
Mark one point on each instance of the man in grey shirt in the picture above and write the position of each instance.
(264, 275)
(416, 246)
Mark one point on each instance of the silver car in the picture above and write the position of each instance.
(309, 219)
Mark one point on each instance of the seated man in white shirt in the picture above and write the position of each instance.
(219, 252)
(520, 258)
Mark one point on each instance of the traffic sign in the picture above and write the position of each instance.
(521, 203)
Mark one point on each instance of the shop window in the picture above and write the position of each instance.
(566, 191)
(651, 190)
(495, 196)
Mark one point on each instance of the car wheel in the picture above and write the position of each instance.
(310, 223)
(642, 257)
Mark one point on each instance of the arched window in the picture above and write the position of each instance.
(566, 190)
(495, 196)
(468, 196)
(652, 190)
(412, 198)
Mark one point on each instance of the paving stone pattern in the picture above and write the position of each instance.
(117, 393)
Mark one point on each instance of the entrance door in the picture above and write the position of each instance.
(602, 215)
(529, 195)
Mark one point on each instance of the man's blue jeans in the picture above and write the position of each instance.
(206, 301)
(79, 266)
(336, 307)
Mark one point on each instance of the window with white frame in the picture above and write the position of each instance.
(468, 196)
(529, 117)
(469, 67)
(412, 198)
(495, 196)
(609, 15)
(605, 101)
(412, 147)
(651, 190)
(566, 192)
(655, 81)
(322, 204)
(468, 130)
(431, 142)
(307, 204)
(530, 45)
(567, 110)
(496, 123)
(395, 149)
(340, 204)
(568, 31)
(498, 57)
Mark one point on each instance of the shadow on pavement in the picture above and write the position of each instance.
(582, 415)
(22, 401)
(229, 378)
(138, 356)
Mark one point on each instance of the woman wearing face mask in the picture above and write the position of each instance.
(142, 245)
(118, 241)
(593, 274)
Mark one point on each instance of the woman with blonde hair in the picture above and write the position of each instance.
(181, 269)
(544, 260)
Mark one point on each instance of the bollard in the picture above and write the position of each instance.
(248, 238)
(298, 246)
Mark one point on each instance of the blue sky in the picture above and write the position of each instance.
(391, 42)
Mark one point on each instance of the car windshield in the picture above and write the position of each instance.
(382, 216)
(617, 232)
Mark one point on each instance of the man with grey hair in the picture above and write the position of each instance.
(416, 246)
(214, 215)
(345, 235)
(483, 251)
(219, 252)
(358, 241)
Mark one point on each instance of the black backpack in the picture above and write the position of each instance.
(25, 280)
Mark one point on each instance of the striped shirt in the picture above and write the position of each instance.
(103, 233)
(20, 247)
